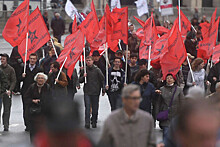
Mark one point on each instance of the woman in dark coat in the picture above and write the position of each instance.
(37, 96)
(166, 93)
(147, 89)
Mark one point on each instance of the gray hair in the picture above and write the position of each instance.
(129, 89)
(42, 74)
(195, 92)
(217, 85)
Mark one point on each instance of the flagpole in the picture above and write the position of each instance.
(106, 64)
(126, 65)
(119, 44)
(194, 29)
(54, 47)
(60, 70)
(84, 54)
(179, 16)
(190, 68)
(25, 62)
(148, 65)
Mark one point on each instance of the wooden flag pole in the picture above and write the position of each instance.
(190, 69)
(25, 62)
(54, 47)
(179, 16)
(106, 64)
(61, 70)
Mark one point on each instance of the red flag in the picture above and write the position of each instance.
(185, 23)
(73, 48)
(141, 22)
(204, 28)
(162, 30)
(90, 26)
(140, 33)
(16, 27)
(150, 37)
(120, 24)
(100, 38)
(206, 34)
(38, 34)
(74, 26)
(209, 43)
(176, 55)
(216, 54)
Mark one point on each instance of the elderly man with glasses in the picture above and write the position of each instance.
(129, 126)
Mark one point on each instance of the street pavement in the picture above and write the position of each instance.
(17, 137)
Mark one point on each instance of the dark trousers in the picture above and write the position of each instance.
(6, 101)
(71, 93)
(94, 101)
(115, 100)
(26, 113)
(35, 125)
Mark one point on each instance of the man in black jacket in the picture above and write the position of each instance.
(214, 76)
(58, 26)
(92, 88)
(28, 78)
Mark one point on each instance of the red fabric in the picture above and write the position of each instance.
(140, 33)
(161, 30)
(216, 54)
(209, 43)
(16, 27)
(73, 48)
(74, 26)
(141, 22)
(166, 6)
(207, 34)
(100, 38)
(120, 24)
(90, 26)
(176, 55)
(204, 28)
(38, 34)
(202, 54)
(150, 37)
(185, 23)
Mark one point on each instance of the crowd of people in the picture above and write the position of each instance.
(187, 109)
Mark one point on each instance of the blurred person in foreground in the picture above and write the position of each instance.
(61, 126)
(129, 126)
(216, 93)
(36, 96)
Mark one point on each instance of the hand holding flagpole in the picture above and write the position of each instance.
(60, 70)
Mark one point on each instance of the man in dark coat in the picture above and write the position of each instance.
(214, 76)
(58, 26)
(28, 78)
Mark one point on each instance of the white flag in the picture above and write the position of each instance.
(166, 7)
(72, 11)
(142, 7)
(115, 4)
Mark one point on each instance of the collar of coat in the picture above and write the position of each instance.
(125, 119)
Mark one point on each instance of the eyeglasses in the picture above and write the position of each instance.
(135, 98)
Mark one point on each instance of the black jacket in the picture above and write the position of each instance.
(29, 79)
(214, 72)
(95, 80)
(58, 26)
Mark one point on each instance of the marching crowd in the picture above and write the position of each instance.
(186, 106)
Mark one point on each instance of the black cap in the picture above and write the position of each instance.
(119, 51)
(95, 53)
(142, 62)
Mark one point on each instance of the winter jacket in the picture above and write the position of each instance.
(3, 82)
(73, 82)
(95, 80)
(58, 26)
(214, 72)
(120, 131)
(164, 101)
(29, 78)
(147, 95)
(10, 75)
(200, 78)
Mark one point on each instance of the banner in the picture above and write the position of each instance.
(74, 26)
(16, 27)
(142, 7)
(115, 4)
(71, 11)
(38, 34)
(176, 55)
(216, 54)
(141, 22)
(90, 26)
(166, 7)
